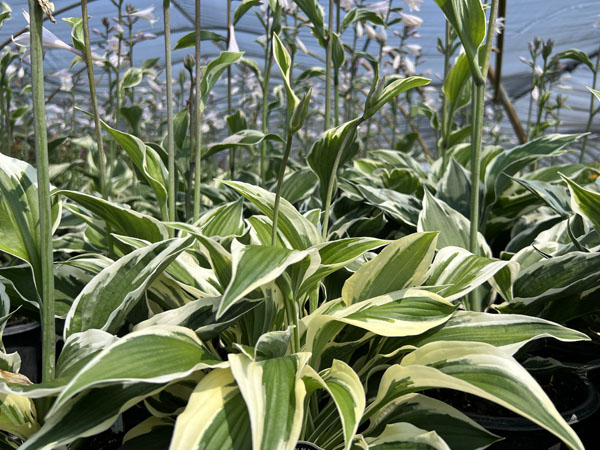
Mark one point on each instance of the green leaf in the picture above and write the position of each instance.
(274, 395)
(555, 196)
(454, 188)
(108, 298)
(458, 430)
(300, 232)
(509, 162)
(175, 353)
(479, 369)
(401, 207)
(298, 185)
(147, 161)
(122, 220)
(243, 9)
(225, 220)
(361, 15)
(400, 265)
(315, 14)
(509, 332)
(323, 152)
(180, 127)
(594, 92)
(215, 418)
(461, 271)
(393, 86)
(132, 78)
(576, 55)
(452, 225)
(584, 202)
(406, 436)
(89, 413)
(468, 20)
(346, 389)
(189, 40)
(243, 138)
(213, 71)
(19, 214)
(253, 267)
(79, 349)
(284, 62)
(456, 83)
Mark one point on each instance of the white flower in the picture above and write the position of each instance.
(232, 46)
(410, 20)
(409, 66)
(146, 14)
(414, 5)
(370, 32)
(396, 62)
(380, 7)
(301, 45)
(414, 49)
(499, 25)
(66, 79)
(535, 93)
(154, 86)
(49, 39)
(359, 29)
(381, 35)
(537, 71)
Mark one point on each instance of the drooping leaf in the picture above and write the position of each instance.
(361, 15)
(401, 207)
(393, 86)
(576, 55)
(479, 369)
(213, 72)
(585, 202)
(243, 138)
(189, 40)
(107, 299)
(406, 436)
(243, 9)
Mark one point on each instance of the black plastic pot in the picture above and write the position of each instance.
(520, 433)
(26, 339)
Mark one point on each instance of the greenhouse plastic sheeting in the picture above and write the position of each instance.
(571, 24)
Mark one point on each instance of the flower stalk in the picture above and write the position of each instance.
(198, 118)
(592, 113)
(172, 194)
(329, 67)
(265, 98)
(46, 284)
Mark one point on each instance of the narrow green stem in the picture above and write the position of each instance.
(446, 119)
(232, 149)
(336, 70)
(46, 284)
(591, 113)
(265, 99)
(118, 73)
(286, 155)
(198, 121)
(333, 175)
(190, 173)
(328, 68)
(172, 193)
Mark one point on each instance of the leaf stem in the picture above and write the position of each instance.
(286, 155)
(265, 99)
(46, 284)
(329, 67)
(232, 149)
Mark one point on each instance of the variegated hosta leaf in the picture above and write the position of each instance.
(300, 232)
(154, 432)
(79, 349)
(402, 264)
(405, 436)
(554, 195)
(479, 369)
(453, 227)
(331, 256)
(200, 315)
(122, 220)
(461, 271)
(585, 202)
(174, 352)
(89, 413)
(19, 213)
(106, 300)
(402, 207)
(408, 312)
(219, 258)
(561, 278)
(253, 267)
(346, 389)
(458, 430)
(506, 331)
(261, 228)
(147, 161)
(274, 395)
(215, 418)
(507, 163)
(223, 221)
(18, 415)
